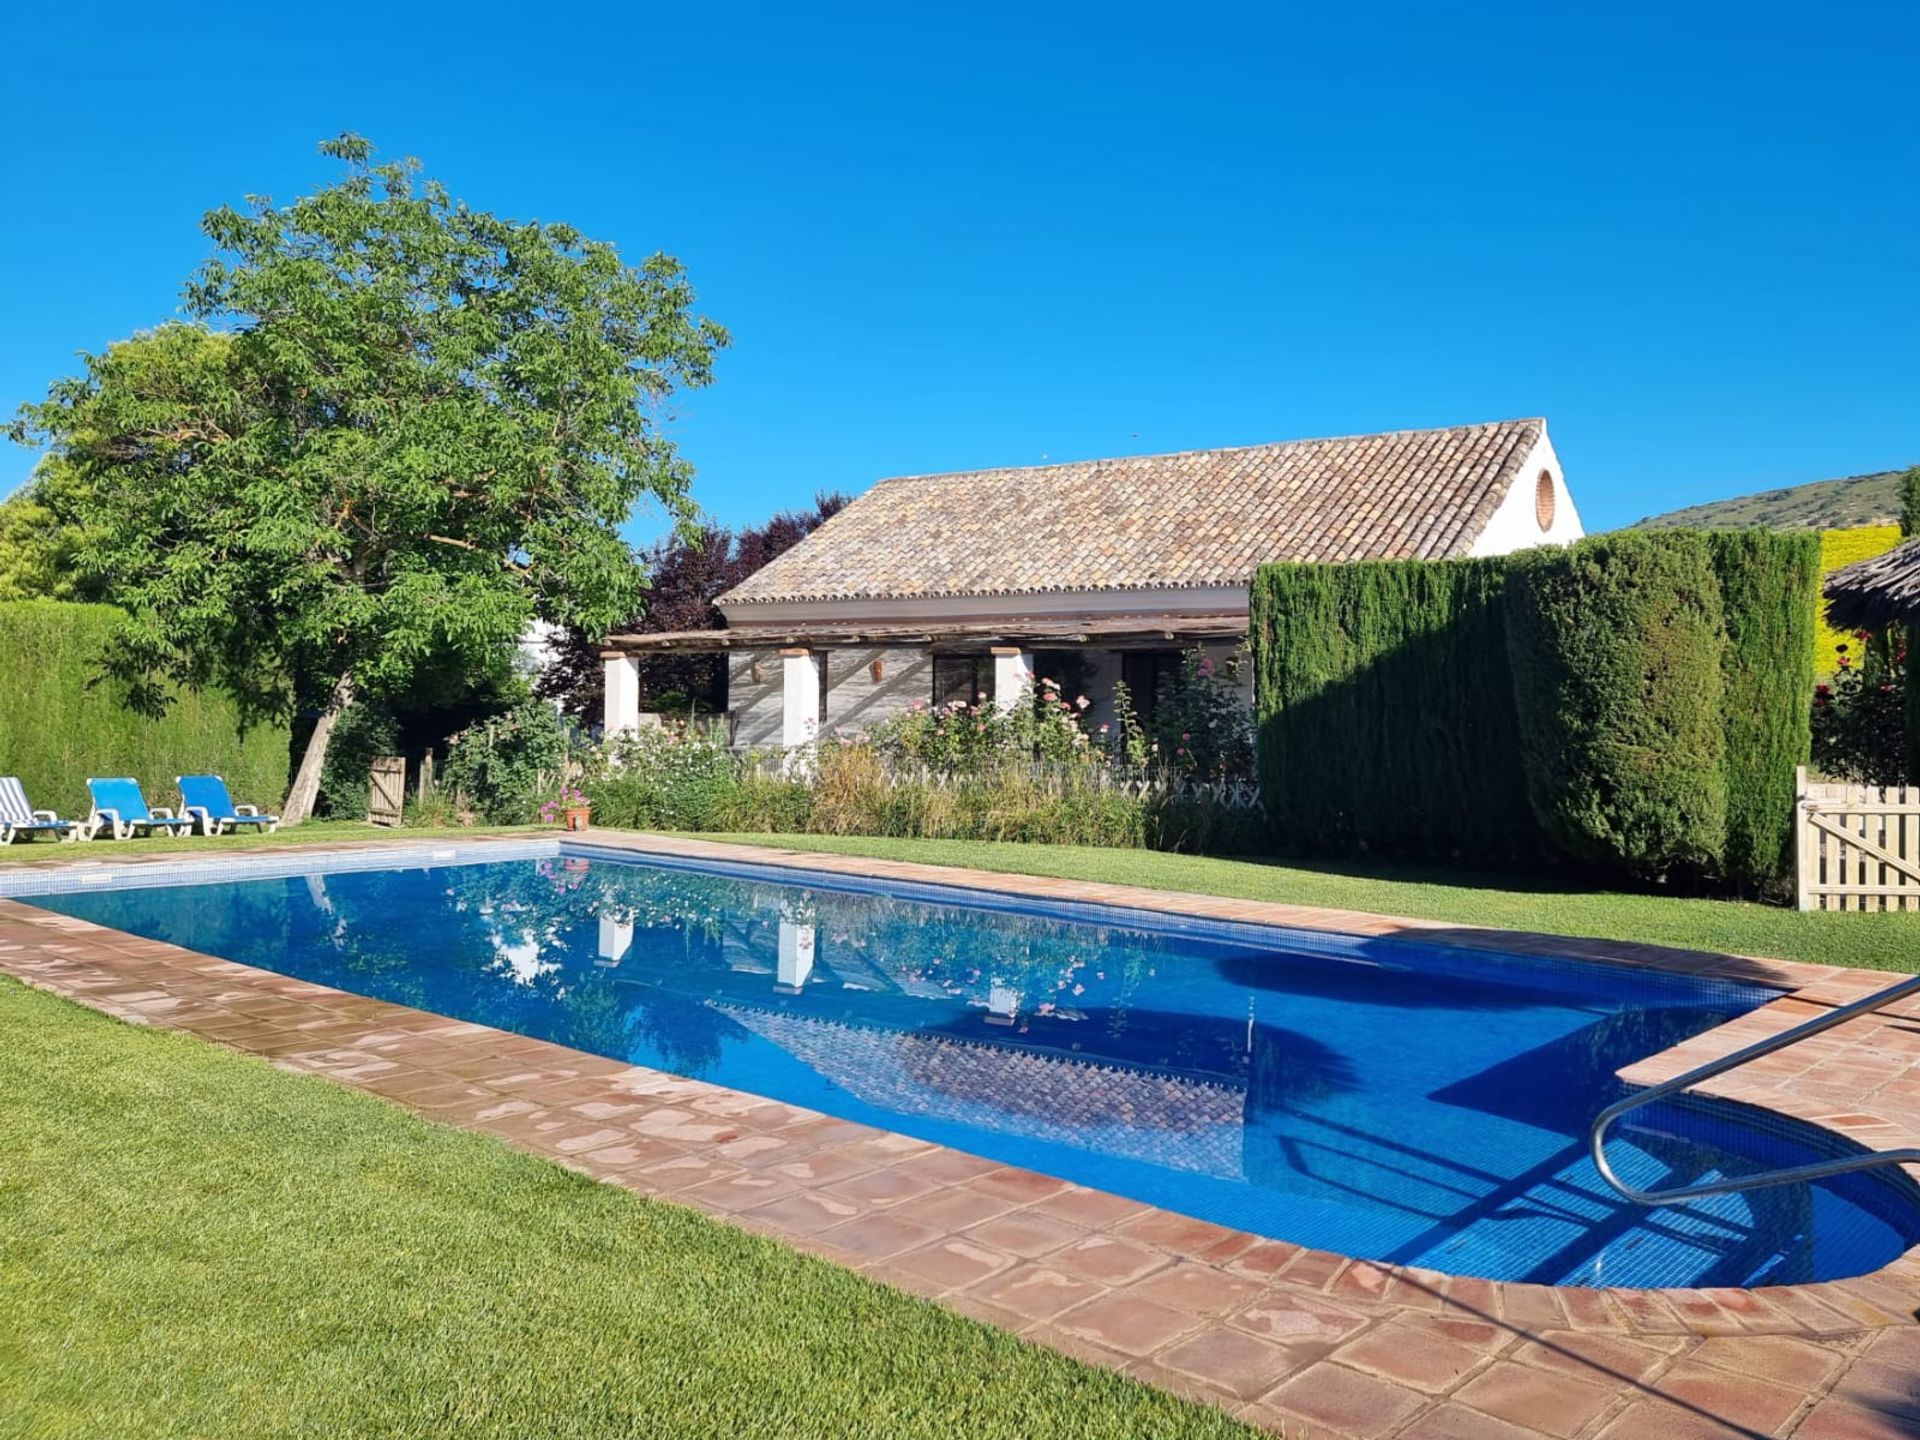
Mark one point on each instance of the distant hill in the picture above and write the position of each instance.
(1818, 505)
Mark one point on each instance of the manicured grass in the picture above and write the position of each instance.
(193, 1243)
(1875, 942)
(314, 832)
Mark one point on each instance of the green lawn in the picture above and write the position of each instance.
(193, 1243)
(1877, 942)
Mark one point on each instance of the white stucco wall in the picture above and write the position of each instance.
(1514, 525)
(855, 699)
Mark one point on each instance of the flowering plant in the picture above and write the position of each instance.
(568, 799)
(1859, 723)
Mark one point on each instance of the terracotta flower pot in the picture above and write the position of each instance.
(575, 817)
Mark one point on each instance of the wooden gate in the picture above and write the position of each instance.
(1857, 847)
(387, 789)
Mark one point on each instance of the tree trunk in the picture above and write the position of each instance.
(306, 781)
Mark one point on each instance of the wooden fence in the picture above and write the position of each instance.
(1857, 847)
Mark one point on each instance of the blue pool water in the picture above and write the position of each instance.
(1381, 1099)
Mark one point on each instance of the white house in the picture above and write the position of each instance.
(940, 587)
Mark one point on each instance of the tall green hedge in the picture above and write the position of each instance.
(60, 722)
(1616, 650)
(1385, 708)
(1769, 588)
(1636, 702)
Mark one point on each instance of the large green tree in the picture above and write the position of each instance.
(400, 429)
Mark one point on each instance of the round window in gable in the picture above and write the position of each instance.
(1543, 499)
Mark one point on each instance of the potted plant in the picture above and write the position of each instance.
(570, 810)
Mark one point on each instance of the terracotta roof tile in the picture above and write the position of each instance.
(1202, 517)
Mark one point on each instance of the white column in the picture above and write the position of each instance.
(800, 698)
(796, 956)
(616, 939)
(1012, 675)
(623, 694)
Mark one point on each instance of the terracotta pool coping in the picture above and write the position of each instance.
(1271, 1331)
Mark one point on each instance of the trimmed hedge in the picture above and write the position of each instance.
(1385, 708)
(1767, 580)
(60, 722)
(1636, 702)
(1616, 649)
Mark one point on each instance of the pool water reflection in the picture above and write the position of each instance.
(1380, 1099)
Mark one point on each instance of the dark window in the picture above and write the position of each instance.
(1141, 671)
(962, 677)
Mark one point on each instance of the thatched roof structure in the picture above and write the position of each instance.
(1871, 594)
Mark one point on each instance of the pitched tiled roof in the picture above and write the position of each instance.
(1203, 517)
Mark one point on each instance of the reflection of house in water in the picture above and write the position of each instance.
(1183, 1122)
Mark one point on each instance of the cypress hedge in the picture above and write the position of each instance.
(61, 721)
(1385, 708)
(1636, 702)
(1769, 590)
(1616, 648)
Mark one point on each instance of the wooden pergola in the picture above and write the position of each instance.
(1119, 632)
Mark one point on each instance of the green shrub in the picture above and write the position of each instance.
(1385, 709)
(1769, 590)
(505, 766)
(365, 732)
(1616, 647)
(61, 721)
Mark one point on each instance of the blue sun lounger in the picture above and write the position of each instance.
(18, 818)
(119, 806)
(205, 799)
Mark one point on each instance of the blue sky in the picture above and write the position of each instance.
(954, 237)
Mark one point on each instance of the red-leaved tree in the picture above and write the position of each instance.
(685, 578)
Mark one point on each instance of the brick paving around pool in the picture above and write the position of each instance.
(1284, 1337)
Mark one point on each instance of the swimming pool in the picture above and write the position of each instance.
(1378, 1098)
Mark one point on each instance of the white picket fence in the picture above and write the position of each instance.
(1857, 847)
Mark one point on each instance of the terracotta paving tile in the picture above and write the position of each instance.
(1107, 1259)
(1264, 1258)
(1026, 1234)
(877, 1236)
(1341, 1399)
(1122, 1323)
(1236, 1362)
(881, 1187)
(1091, 1209)
(947, 1167)
(1603, 1359)
(1890, 1389)
(1803, 1364)
(1037, 1292)
(1174, 1232)
(1314, 1269)
(1658, 1420)
(1556, 1404)
(804, 1212)
(1198, 1289)
(1738, 1399)
(821, 1167)
(1021, 1186)
(1838, 1420)
(951, 1264)
(1896, 1347)
(955, 1208)
(1457, 1422)
(1410, 1354)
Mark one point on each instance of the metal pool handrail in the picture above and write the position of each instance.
(1819, 1171)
